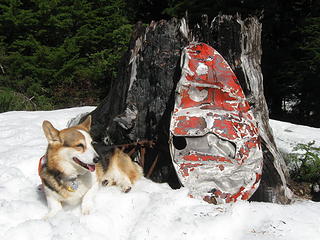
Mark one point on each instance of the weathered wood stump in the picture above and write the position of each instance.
(140, 101)
(239, 41)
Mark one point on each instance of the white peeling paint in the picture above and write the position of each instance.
(197, 95)
(202, 69)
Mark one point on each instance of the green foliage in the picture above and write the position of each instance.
(62, 52)
(13, 101)
(307, 70)
(304, 162)
(197, 8)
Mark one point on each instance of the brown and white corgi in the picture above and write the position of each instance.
(71, 172)
(117, 168)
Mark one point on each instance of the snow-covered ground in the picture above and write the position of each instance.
(288, 135)
(149, 211)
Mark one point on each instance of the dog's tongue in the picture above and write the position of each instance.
(91, 167)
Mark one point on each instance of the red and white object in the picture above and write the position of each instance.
(214, 140)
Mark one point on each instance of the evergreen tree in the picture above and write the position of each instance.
(306, 73)
(63, 52)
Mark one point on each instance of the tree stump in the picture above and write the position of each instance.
(140, 101)
(239, 42)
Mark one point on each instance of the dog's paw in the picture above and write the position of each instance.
(105, 182)
(49, 215)
(108, 182)
(86, 211)
(127, 190)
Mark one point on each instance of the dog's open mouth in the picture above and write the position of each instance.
(89, 167)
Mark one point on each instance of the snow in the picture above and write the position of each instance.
(149, 211)
(288, 135)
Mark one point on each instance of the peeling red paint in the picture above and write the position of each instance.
(185, 168)
(217, 193)
(203, 158)
(210, 100)
(245, 195)
(238, 194)
(221, 167)
(186, 123)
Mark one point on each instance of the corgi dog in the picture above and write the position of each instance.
(117, 168)
(71, 170)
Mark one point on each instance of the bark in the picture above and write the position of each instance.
(140, 102)
(239, 42)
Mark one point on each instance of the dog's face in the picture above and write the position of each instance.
(72, 144)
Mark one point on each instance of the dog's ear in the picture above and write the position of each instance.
(86, 124)
(50, 132)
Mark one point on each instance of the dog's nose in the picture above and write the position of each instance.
(96, 159)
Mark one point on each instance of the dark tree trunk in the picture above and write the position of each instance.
(239, 42)
(140, 102)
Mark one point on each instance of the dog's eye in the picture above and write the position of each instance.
(80, 145)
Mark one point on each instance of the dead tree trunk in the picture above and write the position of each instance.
(239, 42)
(140, 102)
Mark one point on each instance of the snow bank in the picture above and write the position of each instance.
(148, 211)
(288, 135)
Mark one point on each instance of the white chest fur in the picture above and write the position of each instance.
(84, 184)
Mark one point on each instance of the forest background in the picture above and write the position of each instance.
(65, 53)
